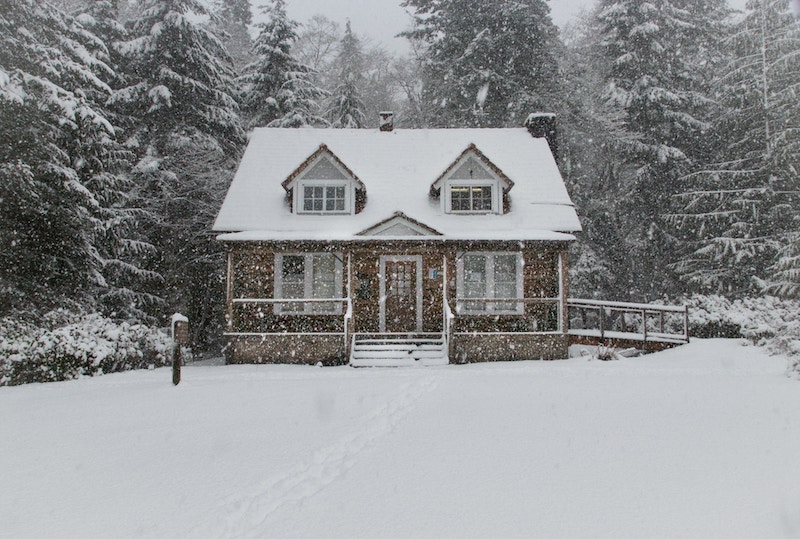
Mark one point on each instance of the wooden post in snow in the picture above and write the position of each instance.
(180, 336)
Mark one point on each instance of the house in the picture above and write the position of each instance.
(392, 246)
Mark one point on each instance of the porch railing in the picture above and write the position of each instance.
(346, 313)
(633, 321)
(516, 307)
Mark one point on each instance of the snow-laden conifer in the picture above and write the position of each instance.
(232, 19)
(62, 167)
(345, 107)
(654, 61)
(488, 63)
(741, 212)
(276, 89)
(180, 96)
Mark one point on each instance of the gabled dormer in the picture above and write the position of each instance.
(399, 224)
(324, 185)
(472, 184)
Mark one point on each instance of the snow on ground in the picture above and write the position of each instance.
(699, 441)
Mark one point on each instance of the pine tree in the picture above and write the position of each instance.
(346, 108)
(180, 93)
(61, 165)
(591, 131)
(232, 19)
(276, 89)
(655, 58)
(180, 77)
(742, 210)
(487, 62)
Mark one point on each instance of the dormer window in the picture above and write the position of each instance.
(471, 198)
(472, 184)
(328, 197)
(323, 185)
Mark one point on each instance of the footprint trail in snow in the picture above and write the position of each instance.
(248, 514)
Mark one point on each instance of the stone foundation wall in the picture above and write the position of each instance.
(290, 349)
(487, 347)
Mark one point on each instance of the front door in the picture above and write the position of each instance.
(401, 291)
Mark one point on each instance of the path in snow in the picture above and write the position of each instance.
(248, 514)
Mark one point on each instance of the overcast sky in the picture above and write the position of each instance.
(380, 20)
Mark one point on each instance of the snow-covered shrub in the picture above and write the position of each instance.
(766, 321)
(605, 353)
(65, 346)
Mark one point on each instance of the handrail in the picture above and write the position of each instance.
(509, 300)
(448, 324)
(289, 300)
(644, 310)
(348, 317)
(625, 305)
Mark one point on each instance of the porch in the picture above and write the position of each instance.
(422, 303)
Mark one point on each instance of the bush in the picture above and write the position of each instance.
(64, 346)
(766, 321)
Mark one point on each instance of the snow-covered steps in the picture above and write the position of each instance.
(376, 351)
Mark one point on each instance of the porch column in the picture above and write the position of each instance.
(563, 287)
(229, 289)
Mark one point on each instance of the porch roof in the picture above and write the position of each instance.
(397, 169)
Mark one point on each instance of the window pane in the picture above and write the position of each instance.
(459, 198)
(292, 281)
(308, 198)
(339, 206)
(474, 281)
(323, 284)
(482, 198)
(334, 199)
(505, 273)
(312, 198)
(505, 281)
(330, 198)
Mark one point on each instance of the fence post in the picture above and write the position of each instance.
(686, 322)
(180, 336)
(602, 313)
(644, 325)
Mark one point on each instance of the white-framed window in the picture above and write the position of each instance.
(472, 196)
(483, 277)
(324, 196)
(308, 276)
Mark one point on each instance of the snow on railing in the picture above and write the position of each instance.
(661, 323)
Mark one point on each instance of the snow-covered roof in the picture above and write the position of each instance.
(397, 169)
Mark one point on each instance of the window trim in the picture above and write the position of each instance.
(308, 283)
(490, 309)
(494, 185)
(299, 197)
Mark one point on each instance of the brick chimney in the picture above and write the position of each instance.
(543, 124)
(387, 121)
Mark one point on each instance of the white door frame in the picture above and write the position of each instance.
(400, 258)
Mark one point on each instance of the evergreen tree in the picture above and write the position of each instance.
(180, 77)
(741, 212)
(232, 19)
(655, 58)
(346, 108)
(591, 131)
(276, 89)
(487, 62)
(181, 95)
(64, 235)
